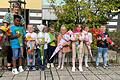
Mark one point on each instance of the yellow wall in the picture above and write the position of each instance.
(31, 4)
(34, 4)
(4, 4)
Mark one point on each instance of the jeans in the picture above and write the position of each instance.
(16, 53)
(44, 58)
(102, 52)
(51, 49)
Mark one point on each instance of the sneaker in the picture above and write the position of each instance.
(86, 65)
(80, 69)
(20, 69)
(27, 69)
(14, 71)
(61, 67)
(73, 69)
(48, 65)
(33, 68)
(105, 66)
(58, 67)
(52, 65)
(97, 67)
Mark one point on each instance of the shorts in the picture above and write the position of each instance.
(16, 53)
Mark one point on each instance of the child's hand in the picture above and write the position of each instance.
(18, 35)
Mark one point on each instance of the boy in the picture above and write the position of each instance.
(15, 45)
(31, 38)
(102, 45)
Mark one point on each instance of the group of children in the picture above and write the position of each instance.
(46, 44)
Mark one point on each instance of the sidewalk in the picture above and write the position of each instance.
(91, 73)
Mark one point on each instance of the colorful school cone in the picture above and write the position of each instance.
(41, 47)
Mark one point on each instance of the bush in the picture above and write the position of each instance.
(115, 36)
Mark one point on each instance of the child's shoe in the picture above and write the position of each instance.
(48, 65)
(20, 69)
(73, 69)
(58, 67)
(80, 69)
(14, 71)
(52, 65)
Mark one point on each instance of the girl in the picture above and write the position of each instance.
(65, 49)
(75, 45)
(51, 47)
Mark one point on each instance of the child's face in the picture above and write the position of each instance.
(103, 28)
(52, 30)
(30, 28)
(17, 22)
(63, 30)
(86, 29)
(16, 9)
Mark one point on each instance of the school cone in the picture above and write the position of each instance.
(58, 48)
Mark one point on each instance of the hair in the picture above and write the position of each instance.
(63, 26)
(77, 25)
(16, 4)
(85, 25)
(44, 29)
(17, 16)
(50, 28)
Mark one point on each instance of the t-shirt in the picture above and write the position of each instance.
(102, 43)
(9, 17)
(46, 38)
(31, 39)
(52, 36)
(14, 43)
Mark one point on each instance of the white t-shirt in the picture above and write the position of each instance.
(33, 35)
(47, 38)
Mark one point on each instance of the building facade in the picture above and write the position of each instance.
(33, 11)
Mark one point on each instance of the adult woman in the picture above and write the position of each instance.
(8, 18)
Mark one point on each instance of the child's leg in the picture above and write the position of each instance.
(45, 57)
(33, 63)
(63, 59)
(105, 53)
(15, 57)
(73, 54)
(59, 59)
(86, 60)
(99, 54)
(22, 50)
(28, 60)
(81, 54)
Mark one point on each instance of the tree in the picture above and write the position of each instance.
(92, 12)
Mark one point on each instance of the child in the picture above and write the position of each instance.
(31, 38)
(15, 45)
(65, 49)
(43, 40)
(102, 45)
(5, 31)
(51, 47)
(75, 45)
(85, 39)
(87, 45)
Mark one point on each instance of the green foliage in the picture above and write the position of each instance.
(115, 36)
(91, 12)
